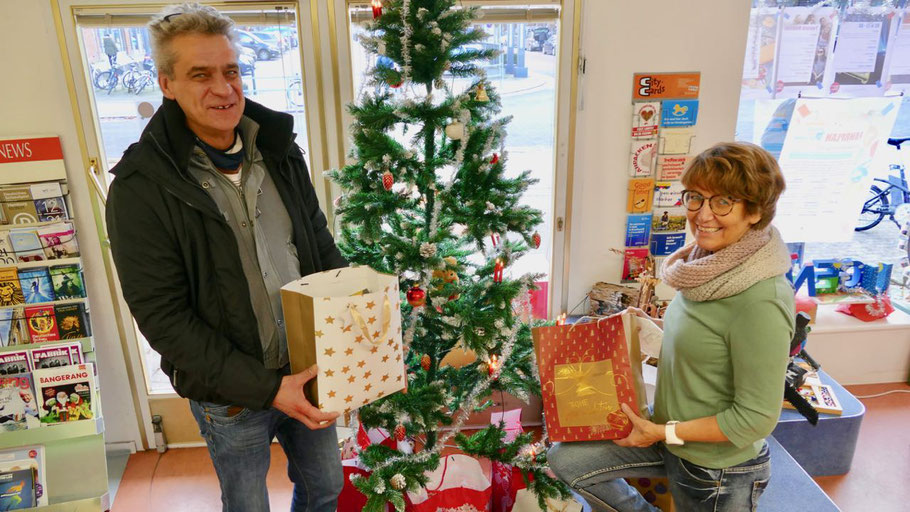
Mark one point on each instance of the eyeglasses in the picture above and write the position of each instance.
(720, 204)
(167, 18)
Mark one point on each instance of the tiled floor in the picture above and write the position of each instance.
(184, 480)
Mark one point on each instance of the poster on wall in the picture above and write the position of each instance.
(828, 160)
(806, 42)
(761, 48)
(859, 58)
(898, 58)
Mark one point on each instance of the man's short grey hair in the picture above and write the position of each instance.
(188, 18)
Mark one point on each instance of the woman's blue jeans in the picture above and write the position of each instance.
(239, 444)
(596, 469)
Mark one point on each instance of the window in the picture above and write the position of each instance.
(525, 75)
(846, 50)
(122, 80)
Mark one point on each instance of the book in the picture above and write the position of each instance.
(665, 244)
(24, 457)
(638, 230)
(49, 202)
(586, 372)
(668, 219)
(668, 194)
(641, 158)
(72, 321)
(641, 193)
(67, 282)
(18, 205)
(821, 397)
(10, 287)
(13, 363)
(13, 328)
(633, 264)
(671, 167)
(55, 355)
(26, 245)
(42, 324)
(36, 285)
(65, 393)
(645, 119)
(7, 254)
(59, 241)
(18, 408)
(17, 489)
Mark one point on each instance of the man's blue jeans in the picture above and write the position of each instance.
(239, 445)
(596, 470)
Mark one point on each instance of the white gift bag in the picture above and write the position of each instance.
(348, 322)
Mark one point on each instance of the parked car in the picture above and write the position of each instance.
(247, 59)
(536, 38)
(273, 39)
(549, 46)
(262, 49)
(287, 33)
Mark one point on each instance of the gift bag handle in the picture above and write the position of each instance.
(386, 321)
(445, 467)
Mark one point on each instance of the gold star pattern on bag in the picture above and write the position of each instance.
(348, 398)
(329, 320)
(351, 379)
(346, 369)
(329, 351)
(368, 387)
(385, 358)
(371, 305)
(374, 349)
(347, 328)
(385, 377)
(330, 373)
(318, 334)
(331, 394)
(349, 351)
(371, 321)
(358, 339)
(367, 375)
(361, 364)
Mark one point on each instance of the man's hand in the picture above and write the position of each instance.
(644, 433)
(291, 401)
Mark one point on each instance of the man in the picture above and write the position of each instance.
(209, 214)
(110, 49)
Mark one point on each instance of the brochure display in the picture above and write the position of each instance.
(51, 431)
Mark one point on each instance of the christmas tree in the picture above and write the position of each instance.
(429, 200)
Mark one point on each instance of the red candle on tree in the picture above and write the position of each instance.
(377, 8)
(497, 271)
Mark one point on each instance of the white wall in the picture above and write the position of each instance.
(34, 100)
(620, 38)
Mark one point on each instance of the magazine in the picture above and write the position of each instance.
(18, 408)
(17, 489)
(25, 457)
(14, 363)
(822, 398)
(67, 282)
(55, 355)
(42, 324)
(36, 285)
(66, 393)
(13, 329)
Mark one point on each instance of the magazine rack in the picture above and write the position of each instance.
(74, 452)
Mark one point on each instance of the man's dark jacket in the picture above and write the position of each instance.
(179, 263)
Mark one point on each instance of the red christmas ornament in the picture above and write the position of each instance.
(416, 297)
(497, 271)
(388, 180)
(493, 364)
(536, 239)
(400, 433)
(377, 8)
(494, 159)
(425, 362)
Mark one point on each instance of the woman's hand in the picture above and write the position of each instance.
(644, 433)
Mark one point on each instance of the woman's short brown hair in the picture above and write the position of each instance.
(742, 170)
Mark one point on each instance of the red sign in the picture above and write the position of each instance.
(30, 150)
(663, 86)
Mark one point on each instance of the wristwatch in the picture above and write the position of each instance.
(670, 432)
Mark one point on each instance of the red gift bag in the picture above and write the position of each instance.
(351, 499)
(459, 484)
(507, 481)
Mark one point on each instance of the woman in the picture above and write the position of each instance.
(725, 350)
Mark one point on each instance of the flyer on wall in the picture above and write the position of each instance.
(761, 47)
(806, 42)
(859, 59)
(828, 160)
